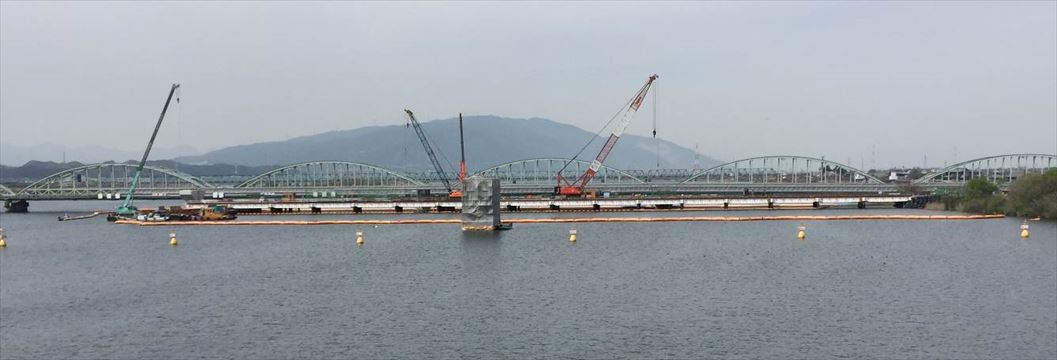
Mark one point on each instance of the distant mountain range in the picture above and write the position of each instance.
(16, 155)
(490, 140)
(35, 170)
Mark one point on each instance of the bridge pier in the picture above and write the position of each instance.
(16, 206)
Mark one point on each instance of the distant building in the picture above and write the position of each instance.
(899, 175)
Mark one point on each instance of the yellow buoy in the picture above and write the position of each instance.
(801, 234)
(572, 235)
(359, 238)
(172, 239)
(1024, 231)
(3, 239)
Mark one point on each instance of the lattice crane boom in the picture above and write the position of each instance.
(577, 186)
(432, 156)
(126, 208)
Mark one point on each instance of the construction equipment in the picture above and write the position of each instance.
(217, 212)
(452, 192)
(576, 187)
(214, 212)
(462, 154)
(126, 210)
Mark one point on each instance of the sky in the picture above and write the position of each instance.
(873, 84)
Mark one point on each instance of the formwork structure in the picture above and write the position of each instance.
(480, 204)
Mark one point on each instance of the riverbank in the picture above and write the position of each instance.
(1033, 195)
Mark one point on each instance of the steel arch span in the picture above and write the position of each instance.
(110, 178)
(544, 171)
(997, 169)
(5, 191)
(329, 174)
(782, 169)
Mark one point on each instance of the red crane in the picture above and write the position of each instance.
(577, 187)
(462, 154)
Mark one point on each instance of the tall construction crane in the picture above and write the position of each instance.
(126, 209)
(452, 192)
(462, 154)
(577, 187)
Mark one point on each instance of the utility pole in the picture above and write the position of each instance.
(873, 156)
(697, 159)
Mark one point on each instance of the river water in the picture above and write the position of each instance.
(875, 289)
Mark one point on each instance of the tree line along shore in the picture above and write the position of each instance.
(1032, 195)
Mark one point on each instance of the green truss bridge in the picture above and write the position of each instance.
(343, 179)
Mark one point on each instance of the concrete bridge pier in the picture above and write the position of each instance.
(16, 206)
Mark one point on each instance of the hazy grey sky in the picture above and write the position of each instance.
(740, 79)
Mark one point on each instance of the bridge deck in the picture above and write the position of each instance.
(577, 204)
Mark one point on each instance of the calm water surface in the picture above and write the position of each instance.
(875, 289)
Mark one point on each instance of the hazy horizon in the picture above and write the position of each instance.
(879, 84)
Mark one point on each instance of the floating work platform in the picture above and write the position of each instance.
(499, 227)
(67, 217)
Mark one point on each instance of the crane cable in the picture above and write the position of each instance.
(596, 135)
(179, 133)
(407, 139)
(179, 119)
(656, 144)
(436, 149)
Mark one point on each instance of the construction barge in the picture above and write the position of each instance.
(214, 212)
